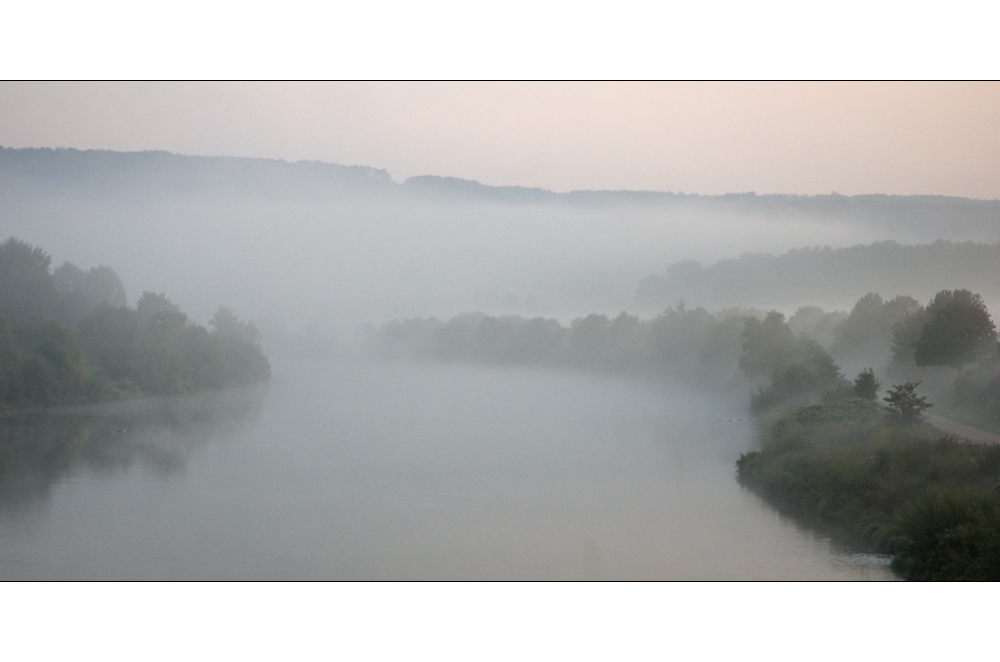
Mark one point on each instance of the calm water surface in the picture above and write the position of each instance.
(367, 471)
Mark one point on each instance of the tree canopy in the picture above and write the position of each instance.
(67, 337)
(866, 385)
(958, 330)
(26, 285)
(903, 401)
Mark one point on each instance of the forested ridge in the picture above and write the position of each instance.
(108, 171)
(825, 274)
(67, 336)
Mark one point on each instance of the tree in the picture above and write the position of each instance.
(109, 337)
(151, 304)
(958, 331)
(816, 323)
(905, 334)
(588, 336)
(866, 385)
(25, 281)
(226, 324)
(863, 323)
(767, 344)
(538, 339)
(905, 403)
(800, 367)
(81, 293)
(871, 321)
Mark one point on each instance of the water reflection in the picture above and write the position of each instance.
(38, 448)
(845, 549)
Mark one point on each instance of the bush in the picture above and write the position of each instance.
(953, 535)
(904, 402)
(866, 385)
(933, 503)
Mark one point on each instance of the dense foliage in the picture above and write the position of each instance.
(903, 402)
(800, 370)
(867, 331)
(718, 349)
(691, 343)
(67, 337)
(931, 502)
(866, 385)
(958, 330)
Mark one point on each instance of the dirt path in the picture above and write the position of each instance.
(949, 426)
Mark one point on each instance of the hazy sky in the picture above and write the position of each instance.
(902, 138)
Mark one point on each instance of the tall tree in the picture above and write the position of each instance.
(866, 385)
(81, 293)
(25, 282)
(767, 344)
(905, 334)
(958, 331)
(871, 321)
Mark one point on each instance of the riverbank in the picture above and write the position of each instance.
(929, 500)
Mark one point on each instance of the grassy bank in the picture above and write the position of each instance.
(931, 502)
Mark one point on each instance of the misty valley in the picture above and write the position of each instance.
(357, 470)
(326, 374)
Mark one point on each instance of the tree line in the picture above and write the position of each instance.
(792, 361)
(681, 341)
(827, 274)
(67, 336)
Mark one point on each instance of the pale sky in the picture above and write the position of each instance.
(708, 138)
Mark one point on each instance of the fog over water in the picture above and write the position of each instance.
(353, 470)
(348, 468)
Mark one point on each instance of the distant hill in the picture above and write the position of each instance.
(347, 244)
(73, 170)
(828, 275)
(468, 189)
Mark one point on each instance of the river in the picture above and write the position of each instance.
(349, 470)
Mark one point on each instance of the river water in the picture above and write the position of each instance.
(351, 470)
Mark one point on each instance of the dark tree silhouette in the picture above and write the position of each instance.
(866, 385)
(25, 282)
(81, 293)
(905, 334)
(68, 338)
(905, 403)
(958, 331)
(767, 344)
